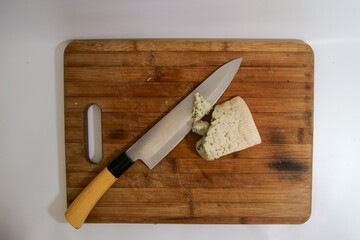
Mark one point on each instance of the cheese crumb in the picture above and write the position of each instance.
(200, 127)
(201, 107)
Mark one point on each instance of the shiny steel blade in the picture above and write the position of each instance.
(171, 129)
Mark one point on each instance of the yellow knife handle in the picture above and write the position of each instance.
(87, 199)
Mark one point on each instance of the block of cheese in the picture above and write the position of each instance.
(232, 129)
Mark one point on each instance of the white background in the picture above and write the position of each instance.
(33, 35)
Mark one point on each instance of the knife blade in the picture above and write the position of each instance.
(154, 145)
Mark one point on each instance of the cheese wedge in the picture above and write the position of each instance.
(232, 129)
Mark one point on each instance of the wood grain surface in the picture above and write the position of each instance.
(137, 82)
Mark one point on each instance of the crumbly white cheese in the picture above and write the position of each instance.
(201, 107)
(232, 129)
(200, 127)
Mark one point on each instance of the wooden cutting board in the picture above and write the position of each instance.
(137, 82)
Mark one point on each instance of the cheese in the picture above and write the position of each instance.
(232, 129)
(200, 127)
(201, 107)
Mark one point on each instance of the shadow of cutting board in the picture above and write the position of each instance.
(137, 82)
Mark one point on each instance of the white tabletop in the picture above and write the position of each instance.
(32, 164)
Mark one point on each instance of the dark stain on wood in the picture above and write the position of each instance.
(173, 165)
(307, 114)
(135, 45)
(244, 220)
(158, 74)
(225, 46)
(277, 137)
(290, 176)
(117, 134)
(146, 180)
(206, 176)
(300, 135)
(307, 118)
(286, 164)
(152, 59)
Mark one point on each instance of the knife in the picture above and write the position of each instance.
(152, 147)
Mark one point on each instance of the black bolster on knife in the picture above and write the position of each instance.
(120, 164)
